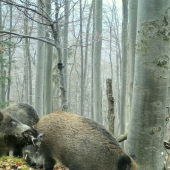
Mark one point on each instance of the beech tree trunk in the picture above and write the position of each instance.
(48, 70)
(124, 69)
(39, 65)
(65, 45)
(10, 60)
(147, 127)
(97, 61)
(132, 40)
(111, 116)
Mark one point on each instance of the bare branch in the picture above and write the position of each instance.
(27, 36)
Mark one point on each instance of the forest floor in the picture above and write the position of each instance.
(13, 163)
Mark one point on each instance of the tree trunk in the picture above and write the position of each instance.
(2, 65)
(10, 60)
(56, 33)
(146, 132)
(132, 40)
(82, 62)
(87, 40)
(97, 61)
(39, 66)
(48, 70)
(65, 45)
(92, 57)
(124, 69)
(118, 61)
(111, 116)
(26, 55)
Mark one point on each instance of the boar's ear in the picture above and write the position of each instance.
(1, 116)
(124, 162)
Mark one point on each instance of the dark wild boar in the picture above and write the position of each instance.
(80, 143)
(11, 128)
(24, 113)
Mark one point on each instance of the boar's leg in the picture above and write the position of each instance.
(49, 163)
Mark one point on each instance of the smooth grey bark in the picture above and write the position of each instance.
(131, 42)
(25, 77)
(87, 41)
(2, 88)
(82, 62)
(48, 68)
(56, 33)
(26, 55)
(118, 61)
(92, 56)
(147, 126)
(10, 60)
(97, 61)
(110, 116)
(27, 41)
(124, 68)
(65, 44)
(39, 65)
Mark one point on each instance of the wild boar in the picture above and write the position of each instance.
(11, 128)
(80, 143)
(25, 114)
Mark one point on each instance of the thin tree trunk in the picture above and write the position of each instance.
(97, 61)
(39, 65)
(111, 116)
(82, 62)
(92, 57)
(65, 44)
(55, 31)
(2, 65)
(10, 60)
(26, 55)
(124, 69)
(147, 126)
(87, 40)
(48, 70)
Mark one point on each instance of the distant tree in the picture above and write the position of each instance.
(97, 61)
(39, 63)
(2, 78)
(65, 43)
(10, 59)
(48, 68)
(82, 60)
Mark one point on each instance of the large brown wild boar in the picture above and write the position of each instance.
(80, 143)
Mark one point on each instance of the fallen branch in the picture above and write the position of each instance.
(121, 138)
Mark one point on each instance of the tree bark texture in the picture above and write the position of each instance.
(65, 45)
(2, 85)
(97, 61)
(111, 116)
(82, 61)
(39, 66)
(147, 126)
(48, 69)
(131, 43)
(10, 60)
(124, 69)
